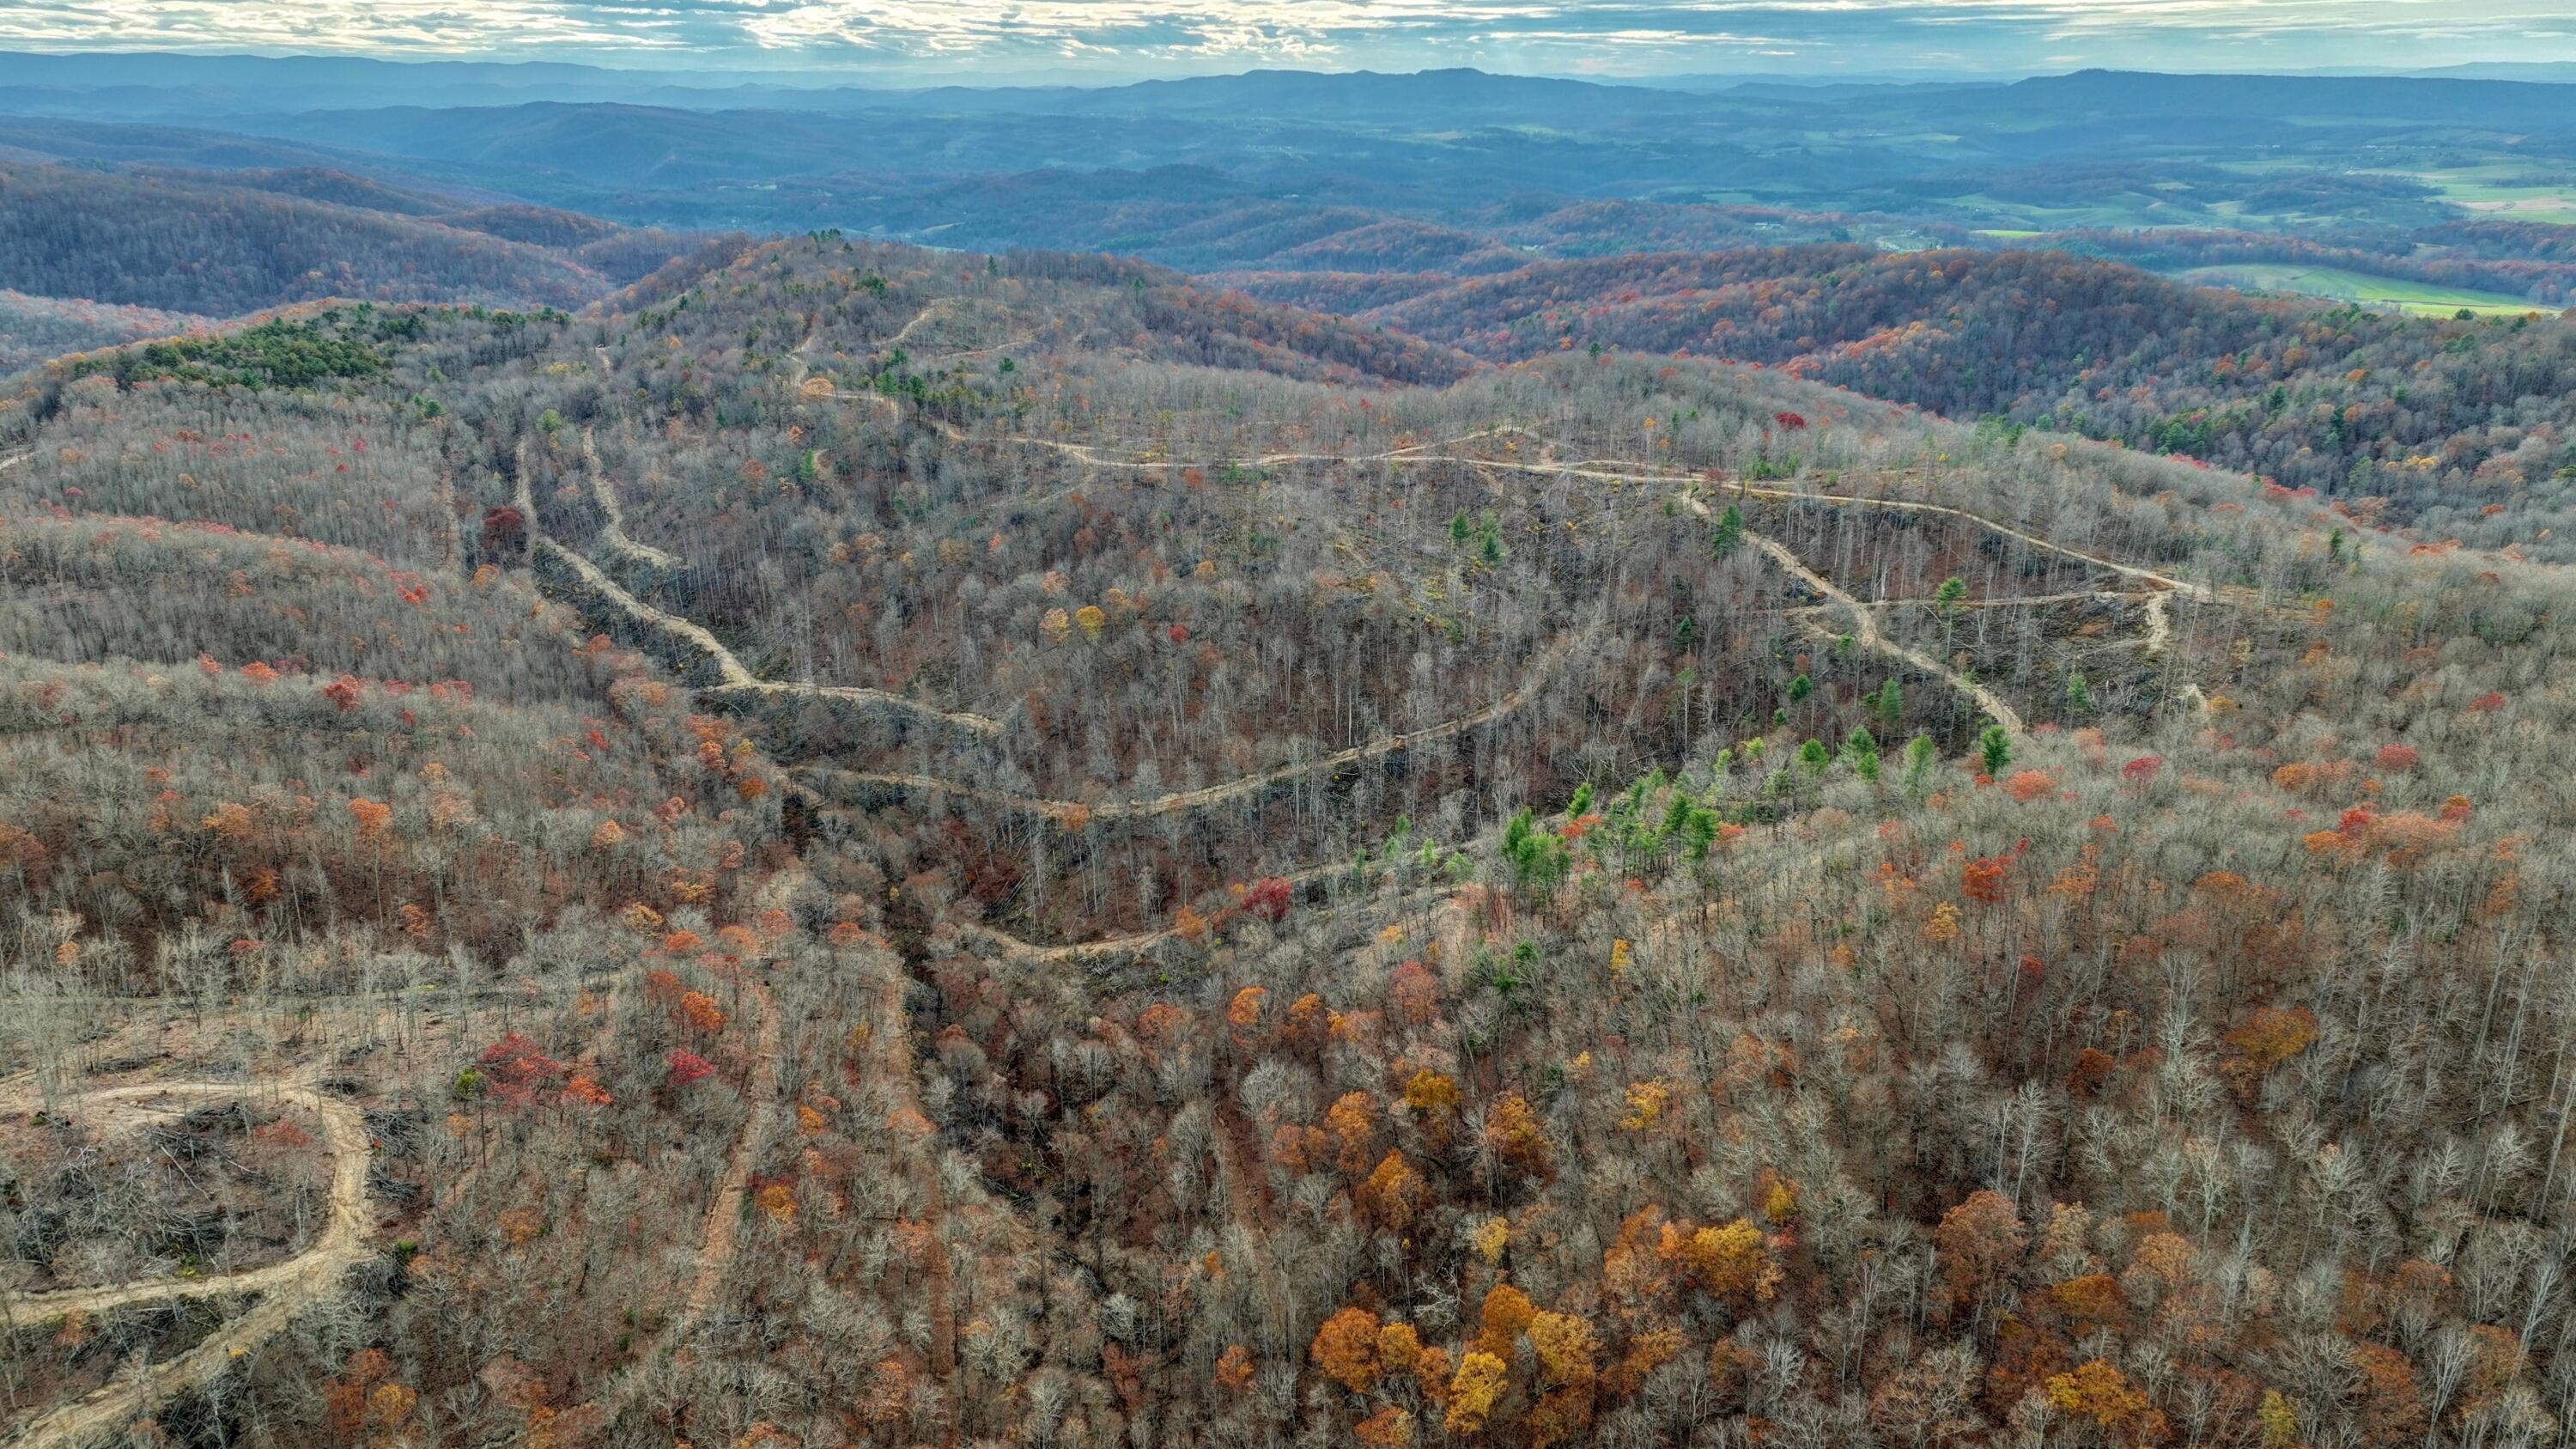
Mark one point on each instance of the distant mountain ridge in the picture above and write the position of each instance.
(2451, 189)
(163, 85)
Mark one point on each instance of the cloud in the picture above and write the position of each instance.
(1586, 35)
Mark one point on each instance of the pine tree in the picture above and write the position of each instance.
(1889, 703)
(1918, 763)
(1946, 603)
(1860, 751)
(1728, 535)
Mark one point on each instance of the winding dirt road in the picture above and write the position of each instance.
(720, 1236)
(1641, 474)
(894, 1030)
(2201, 592)
(724, 1215)
(1865, 628)
(739, 680)
(1062, 810)
(1865, 632)
(284, 1289)
(2159, 624)
(2009, 601)
(604, 493)
(931, 311)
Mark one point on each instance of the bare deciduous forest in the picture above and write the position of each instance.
(866, 846)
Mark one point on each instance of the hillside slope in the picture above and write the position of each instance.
(877, 846)
(35, 328)
(2462, 428)
(217, 249)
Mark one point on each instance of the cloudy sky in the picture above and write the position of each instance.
(1131, 37)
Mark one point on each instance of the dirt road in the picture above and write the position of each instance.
(284, 1289)
(737, 679)
(1061, 810)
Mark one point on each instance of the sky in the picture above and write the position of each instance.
(1119, 39)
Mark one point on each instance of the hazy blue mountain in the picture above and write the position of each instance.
(1444, 172)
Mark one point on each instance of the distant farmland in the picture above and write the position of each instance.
(2371, 291)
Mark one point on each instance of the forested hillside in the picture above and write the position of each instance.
(867, 846)
(216, 246)
(2460, 427)
(35, 328)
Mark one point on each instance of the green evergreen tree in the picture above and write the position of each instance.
(1728, 535)
(1888, 704)
(1918, 763)
(1860, 751)
(1700, 831)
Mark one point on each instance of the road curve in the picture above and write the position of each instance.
(284, 1289)
(1640, 472)
(739, 680)
(1064, 810)
(1865, 632)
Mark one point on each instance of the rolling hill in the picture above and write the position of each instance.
(223, 244)
(2458, 426)
(860, 844)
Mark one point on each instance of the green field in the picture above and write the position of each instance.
(2489, 191)
(2514, 203)
(2371, 291)
(2128, 212)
